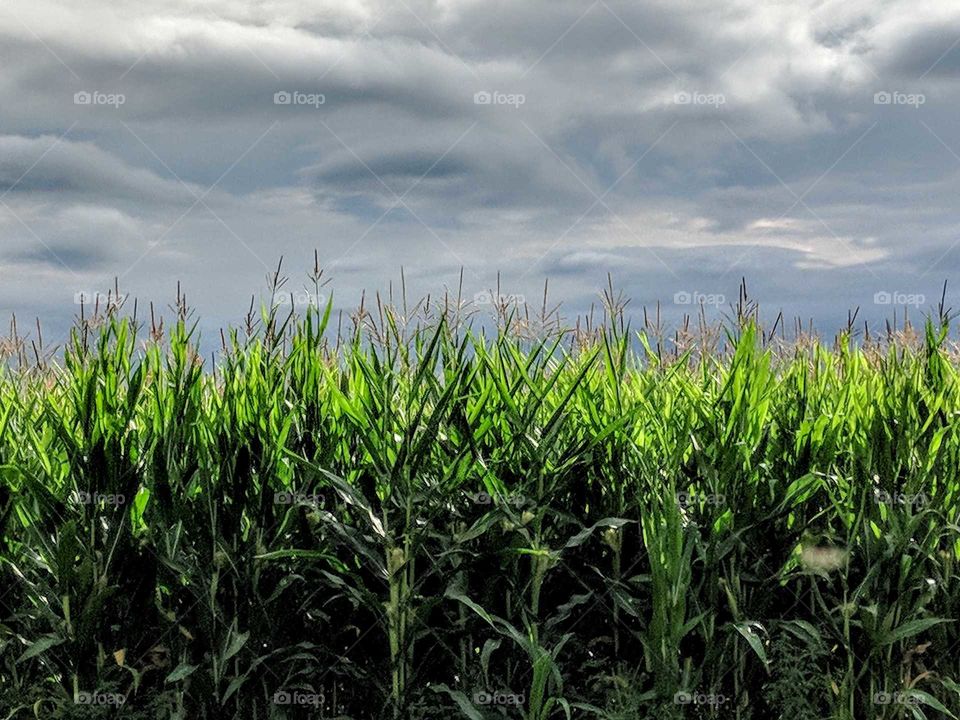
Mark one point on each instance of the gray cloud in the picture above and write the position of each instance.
(60, 168)
(677, 145)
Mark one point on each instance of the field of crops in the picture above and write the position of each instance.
(398, 514)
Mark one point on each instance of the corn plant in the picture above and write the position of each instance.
(416, 512)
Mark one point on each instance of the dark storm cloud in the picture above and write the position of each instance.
(931, 51)
(80, 259)
(61, 168)
(400, 165)
(812, 144)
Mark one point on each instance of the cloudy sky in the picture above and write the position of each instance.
(810, 147)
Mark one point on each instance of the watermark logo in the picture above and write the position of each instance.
(296, 498)
(495, 97)
(491, 298)
(699, 98)
(895, 698)
(686, 499)
(100, 698)
(81, 497)
(684, 297)
(482, 498)
(685, 697)
(295, 697)
(85, 297)
(914, 100)
(299, 298)
(899, 298)
(486, 698)
(914, 500)
(295, 97)
(96, 97)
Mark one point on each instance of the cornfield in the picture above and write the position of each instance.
(408, 513)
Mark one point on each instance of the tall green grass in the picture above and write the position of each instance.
(410, 517)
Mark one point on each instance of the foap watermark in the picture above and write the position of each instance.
(884, 97)
(100, 698)
(685, 97)
(498, 697)
(296, 697)
(915, 500)
(495, 97)
(499, 299)
(299, 298)
(85, 297)
(298, 98)
(895, 698)
(687, 697)
(686, 499)
(483, 498)
(85, 97)
(286, 497)
(899, 298)
(684, 297)
(82, 497)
